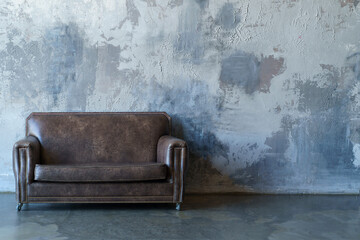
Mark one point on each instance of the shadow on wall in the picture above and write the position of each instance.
(201, 175)
(192, 109)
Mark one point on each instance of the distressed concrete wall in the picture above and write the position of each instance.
(265, 92)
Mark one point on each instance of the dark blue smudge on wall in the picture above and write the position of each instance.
(244, 70)
(228, 17)
(241, 70)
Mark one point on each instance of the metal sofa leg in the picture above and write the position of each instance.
(178, 206)
(19, 206)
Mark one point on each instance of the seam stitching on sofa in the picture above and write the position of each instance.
(72, 180)
(110, 196)
(67, 167)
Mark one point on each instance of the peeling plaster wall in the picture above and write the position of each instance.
(265, 92)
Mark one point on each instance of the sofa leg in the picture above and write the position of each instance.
(178, 206)
(19, 206)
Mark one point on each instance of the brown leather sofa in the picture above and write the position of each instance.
(99, 158)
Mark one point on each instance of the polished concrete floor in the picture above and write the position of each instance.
(204, 217)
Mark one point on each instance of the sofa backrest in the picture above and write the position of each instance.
(85, 138)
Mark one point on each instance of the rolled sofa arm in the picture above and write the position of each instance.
(25, 155)
(174, 153)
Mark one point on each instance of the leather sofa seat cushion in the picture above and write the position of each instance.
(101, 172)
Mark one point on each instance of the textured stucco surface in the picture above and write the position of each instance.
(265, 92)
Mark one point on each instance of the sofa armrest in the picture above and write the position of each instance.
(25, 155)
(174, 153)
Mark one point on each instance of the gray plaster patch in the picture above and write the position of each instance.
(12, 33)
(315, 98)
(150, 3)
(278, 142)
(354, 61)
(26, 71)
(244, 70)
(203, 3)
(133, 13)
(64, 49)
(58, 69)
(188, 42)
(228, 17)
(240, 70)
(70, 65)
(109, 59)
(175, 3)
